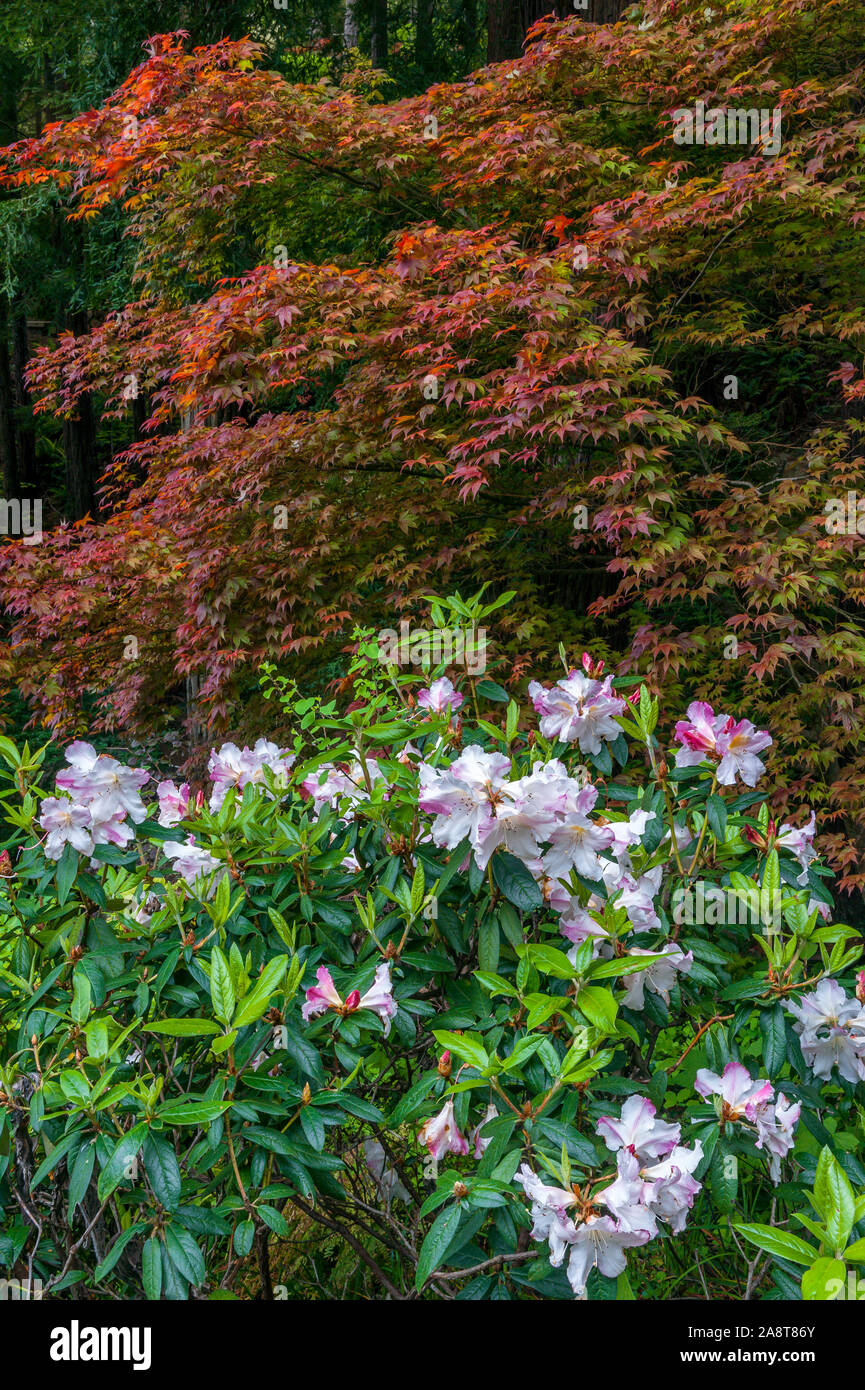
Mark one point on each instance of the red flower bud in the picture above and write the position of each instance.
(860, 986)
(352, 1001)
(444, 1067)
(754, 836)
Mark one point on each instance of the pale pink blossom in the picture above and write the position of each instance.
(242, 767)
(462, 797)
(775, 1124)
(578, 710)
(93, 776)
(739, 1093)
(441, 1136)
(697, 734)
(194, 864)
(638, 1130)
(659, 977)
(737, 745)
(476, 1138)
(800, 842)
(67, 824)
(324, 995)
(600, 1241)
(173, 803)
(440, 696)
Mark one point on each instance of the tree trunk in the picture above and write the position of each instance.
(378, 15)
(603, 11)
(508, 21)
(25, 431)
(424, 47)
(349, 28)
(8, 450)
(467, 28)
(79, 445)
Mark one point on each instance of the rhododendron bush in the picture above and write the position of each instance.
(504, 329)
(468, 999)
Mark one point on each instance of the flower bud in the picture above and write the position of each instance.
(860, 986)
(5, 865)
(460, 1190)
(306, 1094)
(444, 1066)
(352, 1001)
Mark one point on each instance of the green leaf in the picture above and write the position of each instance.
(274, 1219)
(836, 1198)
(191, 1112)
(488, 944)
(514, 882)
(117, 1250)
(58, 1152)
(466, 1046)
(549, 960)
(775, 1242)
(82, 1172)
(491, 691)
(774, 1031)
(67, 868)
(185, 1255)
(122, 1157)
(824, 1281)
(151, 1269)
(163, 1170)
(221, 989)
(771, 881)
(96, 1033)
(716, 814)
(609, 969)
(182, 1027)
(244, 1235)
(723, 1178)
(253, 1005)
(438, 1241)
(495, 984)
(598, 1006)
(81, 996)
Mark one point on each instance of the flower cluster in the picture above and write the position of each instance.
(101, 794)
(831, 1029)
(705, 735)
(741, 1100)
(544, 819)
(579, 709)
(245, 767)
(654, 1183)
(343, 789)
